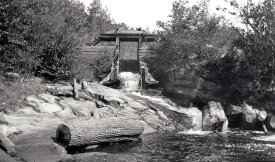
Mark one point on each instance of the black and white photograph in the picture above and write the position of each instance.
(137, 80)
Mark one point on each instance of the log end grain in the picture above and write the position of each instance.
(63, 135)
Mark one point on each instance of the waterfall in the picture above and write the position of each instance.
(129, 80)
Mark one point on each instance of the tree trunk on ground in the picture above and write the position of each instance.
(88, 132)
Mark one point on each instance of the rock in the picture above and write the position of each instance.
(137, 106)
(8, 130)
(270, 122)
(48, 98)
(2, 119)
(128, 111)
(192, 118)
(42, 152)
(34, 101)
(12, 75)
(249, 117)
(106, 112)
(4, 157)
(234, 114)
(262, 115)
(114, 100)
(66, 113)
(27, 110)
(99, 104)
(80, 108)
(147, 128)
(214, 117)
(48, 108)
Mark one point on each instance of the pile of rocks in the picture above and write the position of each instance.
(248, 118)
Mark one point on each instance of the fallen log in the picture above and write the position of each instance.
(88, 132)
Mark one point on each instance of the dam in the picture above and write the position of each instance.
(128, 49)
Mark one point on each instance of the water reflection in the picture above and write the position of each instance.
(232, 146)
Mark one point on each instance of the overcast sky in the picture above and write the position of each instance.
(145, 13)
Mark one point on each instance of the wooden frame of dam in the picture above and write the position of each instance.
(128, 49)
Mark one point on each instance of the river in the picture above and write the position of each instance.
(191, 146)
(233, 145)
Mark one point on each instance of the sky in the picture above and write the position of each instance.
(145, 13)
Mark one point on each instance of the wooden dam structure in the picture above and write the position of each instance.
(128, 48)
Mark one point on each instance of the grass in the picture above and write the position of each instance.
(14, 91)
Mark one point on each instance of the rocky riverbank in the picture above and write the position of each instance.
(32, 128)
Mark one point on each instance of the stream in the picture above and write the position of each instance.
(192, 146)
(234, 145)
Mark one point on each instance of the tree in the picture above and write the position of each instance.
(98, 20)
(40, 36)
(189, 39)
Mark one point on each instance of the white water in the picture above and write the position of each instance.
(129, 80)
(197, 132)
(160, 100)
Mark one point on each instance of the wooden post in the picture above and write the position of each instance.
(75, 90)
(84, 85)
(89, 132)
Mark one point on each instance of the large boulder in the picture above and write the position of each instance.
(270, 122)
(234, 115)
(214, 117)
(192, 118)
(249, 117)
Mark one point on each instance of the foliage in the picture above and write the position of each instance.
(189, 39)
(98, 21)
(41, 36)
(101, 66)
(247, 71)
(13, 92)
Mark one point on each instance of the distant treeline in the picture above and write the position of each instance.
(239, 60)
(40, 37)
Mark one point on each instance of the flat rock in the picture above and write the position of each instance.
(42, 152)
(34, 101)
(106, 112)
(8, 130)
(147, 128)
(48, 108)
(26, 110)
(137, 106)
(48, 98)
(80, 108)
(66, 113)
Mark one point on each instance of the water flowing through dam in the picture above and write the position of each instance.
(129, 80)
